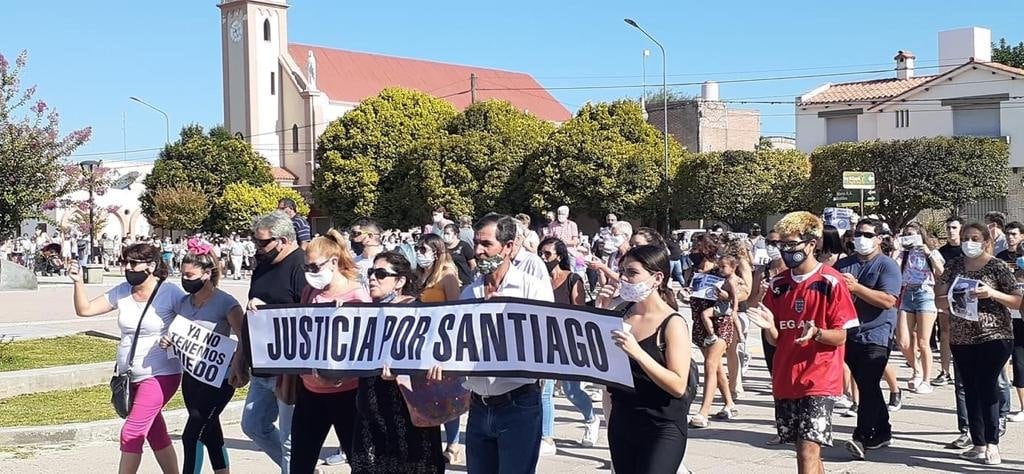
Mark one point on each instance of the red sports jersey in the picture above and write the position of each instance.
(812, 368)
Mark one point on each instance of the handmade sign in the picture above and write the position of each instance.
(204, 354)
(508, 337)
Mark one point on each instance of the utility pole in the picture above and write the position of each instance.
(472, 88)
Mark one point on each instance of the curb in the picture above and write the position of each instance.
(67, 377)
(104, 430)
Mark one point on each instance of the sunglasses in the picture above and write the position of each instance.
(314, 267)
(547, 254)
(379, 273)
(790, 246)
(869, 235)
(263, 242)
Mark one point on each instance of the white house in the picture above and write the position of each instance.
(969, 95)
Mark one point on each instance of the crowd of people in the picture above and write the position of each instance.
(830, 306)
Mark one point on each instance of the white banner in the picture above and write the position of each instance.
(509, 337)
(204, 354)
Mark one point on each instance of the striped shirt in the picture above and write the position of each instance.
(301, 229)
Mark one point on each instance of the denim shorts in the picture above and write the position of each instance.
(917, 299)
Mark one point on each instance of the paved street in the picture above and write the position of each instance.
(922, 427)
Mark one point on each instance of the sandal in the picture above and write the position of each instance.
(699, 421)
(728, 413)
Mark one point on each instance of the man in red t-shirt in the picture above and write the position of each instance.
(805, 314)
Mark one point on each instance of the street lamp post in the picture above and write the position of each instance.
(664, 104)
(643, 95)
(167, 120)
(89, 168)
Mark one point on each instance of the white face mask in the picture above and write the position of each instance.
(612, 243)
(321, 279)
(424, 260)
(438, 217)
(972, 249)
(634, 292)
(863, 245)
(562, 219)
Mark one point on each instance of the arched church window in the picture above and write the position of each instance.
(266, 30)
(295, 138)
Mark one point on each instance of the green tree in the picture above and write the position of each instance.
(433, 174)
(209, 161)
(913, 175)
(357, 152)
(32, 153)
(506, 137)
(738, 187)
(605, 159)
(1008, 54)
(182, 207)
(235, 210)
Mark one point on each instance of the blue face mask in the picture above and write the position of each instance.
(1020, 262)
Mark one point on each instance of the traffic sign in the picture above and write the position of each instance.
(851, 197)
(858, 180)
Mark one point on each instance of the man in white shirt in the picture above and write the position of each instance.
(366, 244)
(503, 433)
(525, 260)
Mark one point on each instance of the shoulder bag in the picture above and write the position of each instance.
(121, 396)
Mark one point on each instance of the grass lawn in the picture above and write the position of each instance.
(67, 350)
(69, 406)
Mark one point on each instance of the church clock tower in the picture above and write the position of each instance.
(254, 38)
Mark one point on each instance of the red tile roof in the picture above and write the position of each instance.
(352, 76)
(878, 89)
(281, 174)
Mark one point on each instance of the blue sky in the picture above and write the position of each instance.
(87, 58)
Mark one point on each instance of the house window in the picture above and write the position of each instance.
(266, 30)
(902, 118)
(977, 120)
(841, 129)
(273, 84)
(295, 138)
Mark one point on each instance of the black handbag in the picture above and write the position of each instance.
(121, 396)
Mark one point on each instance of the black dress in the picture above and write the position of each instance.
(385, 440)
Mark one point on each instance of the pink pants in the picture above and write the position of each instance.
(145, 421)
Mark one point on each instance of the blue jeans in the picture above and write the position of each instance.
(504, 439)
(574, 392)
(262, 409)
(451, 431)
(676, 266)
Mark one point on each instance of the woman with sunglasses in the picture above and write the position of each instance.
(981, 343)
(386, 441)
(569, 289)
(440, 282)
(216, 310)
(322, 402)
(154, 377)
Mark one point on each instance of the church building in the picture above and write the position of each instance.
(281, 96)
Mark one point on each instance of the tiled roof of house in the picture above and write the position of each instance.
(878, 89)
(281, 174)
(351, 76)
(881, 90)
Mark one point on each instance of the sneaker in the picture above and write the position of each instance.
(878, 444)
(924, 388)
(843, 402)
(913, 383)
(942, 379)
(1016, 417)
(992, 456)
(851, 412)
(547, 449)
(590, 432)
(964, 441)
(895, 400)
(856, 449)
(976, 453)
(336, 459)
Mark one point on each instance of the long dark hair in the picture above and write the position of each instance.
(831, 242)
(654, 259)
(560, 250)
(402, 267)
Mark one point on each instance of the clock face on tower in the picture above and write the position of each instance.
(236, 31)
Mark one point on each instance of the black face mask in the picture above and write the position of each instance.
(357, 248)
(793, 258)
(551, 265)
(136, 278)
(192, 286)
(267, 258)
